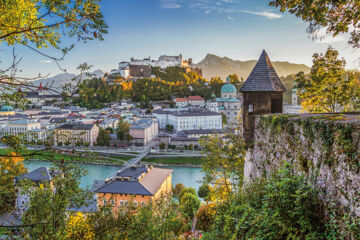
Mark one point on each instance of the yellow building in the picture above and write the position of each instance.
(135, 184)
(7, 110)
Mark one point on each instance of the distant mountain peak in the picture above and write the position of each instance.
(213, 65)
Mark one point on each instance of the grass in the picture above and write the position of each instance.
(83, 158)
(175, 160)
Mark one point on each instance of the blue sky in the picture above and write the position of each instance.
(238, 29)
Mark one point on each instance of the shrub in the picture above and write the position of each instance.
(283, 206)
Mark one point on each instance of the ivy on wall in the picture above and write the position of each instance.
(337, 137)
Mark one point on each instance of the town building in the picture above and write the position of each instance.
(28, 129)
(228, 104)
(190, 119)
(137, 184)
(144, 130)
(76, 133)
(40, 97)
(196, 101)
(7, 110)
(262, 93)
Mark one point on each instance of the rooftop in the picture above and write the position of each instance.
(76, 126)
(263, 77)
(141, 180)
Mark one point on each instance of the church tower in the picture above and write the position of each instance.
(262, 93)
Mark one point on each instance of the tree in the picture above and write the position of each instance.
(49, 203)
(329, 88)
(79, 227)
(189, 204)
(223, 119)
(123, 131)
(38, 24)
(162, 146)
(204, 192)
(179, 187)
(103, 138)
(223, 164)
(169, 128)
(10, 167)
(206, 217)
(336, 16)
(186, 190)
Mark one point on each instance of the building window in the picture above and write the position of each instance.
(121, 203)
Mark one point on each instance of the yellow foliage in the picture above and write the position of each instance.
(79, 227)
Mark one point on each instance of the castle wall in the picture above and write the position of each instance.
(325, 148)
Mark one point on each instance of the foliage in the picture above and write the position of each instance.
(79, 227)
(94, 93)
(162, 146)
(283, 206)
(206, 216)
(189, 204)
(204, 192)
(123, 131)
(169, 127)
(224, 163)
(329, 88)
(336, 16)
(10, 167)
(186, 190)
(103, 138)
(39, 22)
(179, 187)
(159, 219)
(47, 208)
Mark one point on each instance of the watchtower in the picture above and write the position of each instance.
(262, 93)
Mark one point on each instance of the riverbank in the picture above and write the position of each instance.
(175, 161)
(83, 158)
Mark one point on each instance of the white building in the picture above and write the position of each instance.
(189, 119)
(228, 104)
(28, 129)
(196, 101)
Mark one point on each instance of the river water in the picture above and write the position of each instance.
(189, 176)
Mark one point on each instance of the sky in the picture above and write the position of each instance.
(238, 29)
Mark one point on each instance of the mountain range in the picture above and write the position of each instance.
(60, 80)
(213, 65)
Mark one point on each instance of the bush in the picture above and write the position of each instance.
(189, 204)
(186, 190)
(59, 144)
(204, 192)
(284, 206)
(178, 189)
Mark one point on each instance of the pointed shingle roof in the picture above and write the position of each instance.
(263, 77)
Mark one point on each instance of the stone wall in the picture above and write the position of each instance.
(325, 148)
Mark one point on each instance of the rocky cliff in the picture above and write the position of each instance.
(325, 148)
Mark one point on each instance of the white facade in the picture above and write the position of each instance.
(189, 120)
(28, 129)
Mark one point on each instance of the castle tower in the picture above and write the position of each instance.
(262, 93)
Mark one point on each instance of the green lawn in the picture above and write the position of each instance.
(84, 158)
(175, 160)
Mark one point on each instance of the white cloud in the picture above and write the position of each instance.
(170, 4)
(321, 36)
(230, 18)
(266, 14)
(45, 61)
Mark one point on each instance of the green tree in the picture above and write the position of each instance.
(223, 119)
(47, 208)
(206, 217)
(179, 187)
(336, 16)
(162, 146)
(329, 88)
(186, 190)
(204, 192)
(123, 131)
(223, 165)
(189, 204)
(169, 128)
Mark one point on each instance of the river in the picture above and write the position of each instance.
(189, 176)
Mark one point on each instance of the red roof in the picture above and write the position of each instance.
(180, 99)
(195, 98)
